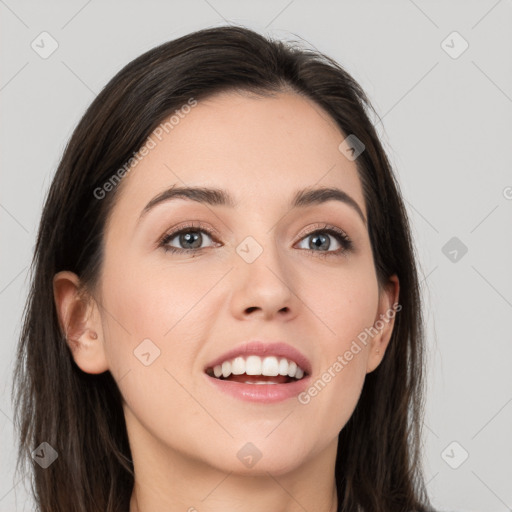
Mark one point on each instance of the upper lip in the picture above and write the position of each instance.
(262, 348)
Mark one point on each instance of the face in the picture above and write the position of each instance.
(185, 282)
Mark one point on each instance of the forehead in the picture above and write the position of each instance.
(260, 148)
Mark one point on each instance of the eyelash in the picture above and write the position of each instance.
(339, 234)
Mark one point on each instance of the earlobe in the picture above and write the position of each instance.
(384, 322)
(88, 353)
(80, 323)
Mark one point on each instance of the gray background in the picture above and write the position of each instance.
(447, 126)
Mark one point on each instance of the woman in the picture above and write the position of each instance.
(224, 312)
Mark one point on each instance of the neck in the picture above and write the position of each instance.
(167, 480)
(142, 501)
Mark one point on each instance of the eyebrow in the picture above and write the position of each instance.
(219, 197)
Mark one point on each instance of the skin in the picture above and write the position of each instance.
(184, 434)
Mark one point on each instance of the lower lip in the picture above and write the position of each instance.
(263, 393)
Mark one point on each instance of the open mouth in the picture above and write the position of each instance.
(258, 370)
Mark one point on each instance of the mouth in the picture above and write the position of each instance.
(258, 370)
(262, 372)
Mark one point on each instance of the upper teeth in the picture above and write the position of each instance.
(254, 365)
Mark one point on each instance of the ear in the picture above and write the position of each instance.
(384, 321)
(80, 322)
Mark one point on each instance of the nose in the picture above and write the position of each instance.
(263, 286)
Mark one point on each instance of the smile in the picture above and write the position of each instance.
(257, 370)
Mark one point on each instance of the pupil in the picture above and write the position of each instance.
(188, 238)
(324, 241)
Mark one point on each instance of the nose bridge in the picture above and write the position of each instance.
(262, 278)
(259, 246)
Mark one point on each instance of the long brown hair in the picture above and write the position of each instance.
(378, 467)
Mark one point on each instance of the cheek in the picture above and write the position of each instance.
(154, 327)
(151, 299)
(344, 301)
(335, 390)
(346, 304)
(157, 303)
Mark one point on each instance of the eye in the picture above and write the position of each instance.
(187, 238)
(320, 241)
(190, 239)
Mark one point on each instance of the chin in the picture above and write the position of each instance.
(249, 458)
